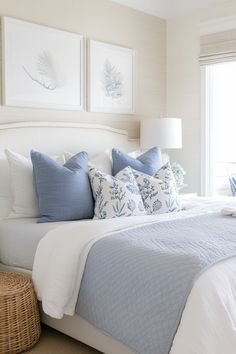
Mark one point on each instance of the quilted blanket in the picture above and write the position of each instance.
(136, 282)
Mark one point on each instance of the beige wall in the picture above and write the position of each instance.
(175, 76)
(183, 84)
(106, 21)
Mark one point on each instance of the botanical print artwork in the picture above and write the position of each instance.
(111, 72)
(43, 67)
(115, 196)
(112, 81)
(45, 73)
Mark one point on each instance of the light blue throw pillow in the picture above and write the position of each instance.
(63, 192)
(149, 162)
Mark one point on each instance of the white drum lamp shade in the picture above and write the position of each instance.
(163, 132)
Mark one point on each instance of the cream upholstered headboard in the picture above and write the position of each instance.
(57, 137)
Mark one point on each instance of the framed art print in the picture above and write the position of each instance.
(111, 78)
(42, 66)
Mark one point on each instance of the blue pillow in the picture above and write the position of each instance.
(63, 192)
(148, 163)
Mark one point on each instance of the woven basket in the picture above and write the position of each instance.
(19, 313)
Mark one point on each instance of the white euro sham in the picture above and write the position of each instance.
(25, 203)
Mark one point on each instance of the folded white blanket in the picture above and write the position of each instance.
(227, 211)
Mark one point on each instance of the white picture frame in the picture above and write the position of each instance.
(42, 67)
(111, 78)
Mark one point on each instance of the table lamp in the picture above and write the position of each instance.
(163, 132)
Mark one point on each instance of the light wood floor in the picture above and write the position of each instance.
(53, 342)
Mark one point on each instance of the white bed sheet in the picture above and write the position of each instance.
(208, 324)
(19, 239)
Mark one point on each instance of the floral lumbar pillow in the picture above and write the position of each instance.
(159, 192)
(115, 196)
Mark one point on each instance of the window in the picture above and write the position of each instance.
(218, 127)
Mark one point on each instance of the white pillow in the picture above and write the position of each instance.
(5, 188)
(101, 161)
(115, 196)
(159, 192)
(25, 203)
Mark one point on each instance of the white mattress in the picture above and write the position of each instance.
(19, 239)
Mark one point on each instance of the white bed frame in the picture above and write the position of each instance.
(56, 138)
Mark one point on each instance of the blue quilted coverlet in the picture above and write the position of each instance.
(136, 282)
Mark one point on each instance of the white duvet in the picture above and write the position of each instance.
(208, 324)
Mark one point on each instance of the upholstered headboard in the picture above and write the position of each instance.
(56, 138)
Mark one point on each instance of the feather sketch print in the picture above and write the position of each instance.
(112, 81)
(46, 74)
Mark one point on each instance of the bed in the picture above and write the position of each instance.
(209, 319)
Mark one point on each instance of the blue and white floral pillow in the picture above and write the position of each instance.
(159, 192)
(115, 196)
(165, 173)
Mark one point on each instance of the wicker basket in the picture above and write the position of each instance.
(19, 313)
